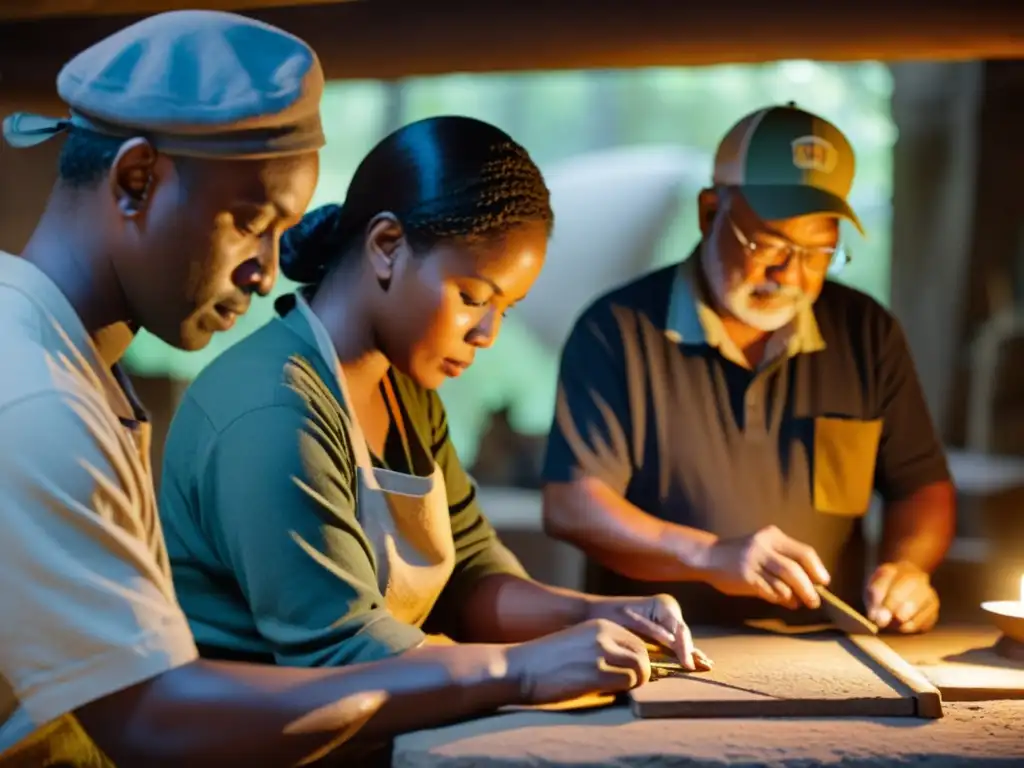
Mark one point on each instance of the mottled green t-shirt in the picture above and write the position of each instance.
(258, 503)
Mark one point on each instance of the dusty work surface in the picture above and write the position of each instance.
(763, 673)
(979, 734)
(962, 663)
(970, 734)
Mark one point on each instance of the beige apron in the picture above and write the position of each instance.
(405, 517)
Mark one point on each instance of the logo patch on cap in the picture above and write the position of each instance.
(813, 153)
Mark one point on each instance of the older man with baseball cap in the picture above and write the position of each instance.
(191, 144)
(722, 423)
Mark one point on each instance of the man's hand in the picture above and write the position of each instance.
(658, 619)
(770, 565)
(900, 596)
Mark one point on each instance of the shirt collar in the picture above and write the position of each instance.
(692, 321)
(320, 336)
(295, 313)
(78, 346)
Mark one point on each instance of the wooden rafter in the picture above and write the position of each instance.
(386, 39)
(41, 9)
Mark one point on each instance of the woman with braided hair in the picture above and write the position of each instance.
(315, 510)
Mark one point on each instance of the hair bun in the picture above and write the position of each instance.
(308, 248)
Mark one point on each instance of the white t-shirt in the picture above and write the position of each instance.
(87, 602)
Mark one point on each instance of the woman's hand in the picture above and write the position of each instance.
(657, 618)
(593, 657)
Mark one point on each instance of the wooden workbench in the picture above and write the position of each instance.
(970, 734)
(963, 664)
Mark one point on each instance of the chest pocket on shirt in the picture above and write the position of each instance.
(845, 451)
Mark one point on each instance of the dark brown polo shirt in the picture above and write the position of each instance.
(655, 401)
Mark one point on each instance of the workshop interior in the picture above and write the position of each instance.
(622, 106)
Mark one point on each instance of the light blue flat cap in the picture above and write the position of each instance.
(195, 83)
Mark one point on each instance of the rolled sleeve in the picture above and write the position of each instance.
(910, 455)
(592, 428)
(279, 485)
(88, 605)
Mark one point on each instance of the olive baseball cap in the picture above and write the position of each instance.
(788, 163)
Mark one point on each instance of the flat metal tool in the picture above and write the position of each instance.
(843, 616)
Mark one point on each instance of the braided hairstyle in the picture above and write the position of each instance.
(444, 178)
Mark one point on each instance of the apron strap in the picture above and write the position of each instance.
(359, 445)
(327, 350)
(398, 416)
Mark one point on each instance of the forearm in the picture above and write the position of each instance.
(503, 608)
(199, 714)
(621, 536)
(920, 528)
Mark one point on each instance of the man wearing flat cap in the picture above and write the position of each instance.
(192, 143)
(722, 423)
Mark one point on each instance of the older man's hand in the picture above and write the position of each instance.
(767, 564)
(900, 596)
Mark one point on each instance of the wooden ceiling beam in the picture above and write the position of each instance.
(384, 39)
(11, 10)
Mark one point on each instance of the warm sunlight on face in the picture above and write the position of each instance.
(460, 295)
(765, 272)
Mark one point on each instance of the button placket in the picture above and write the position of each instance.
(754, 413)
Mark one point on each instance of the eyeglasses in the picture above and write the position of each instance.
(771, 251)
